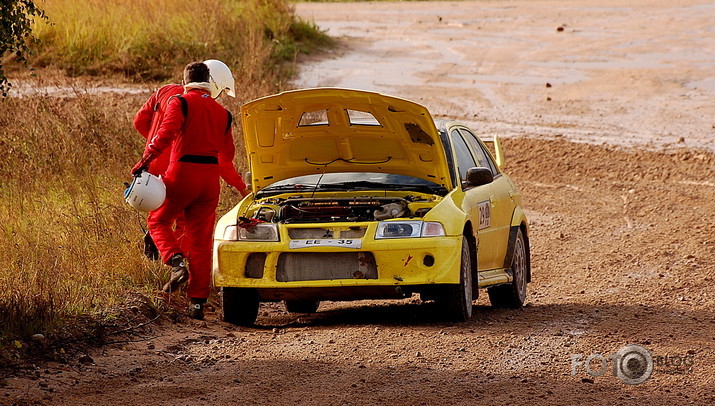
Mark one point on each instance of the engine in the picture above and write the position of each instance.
(320, 210)
(339, 209)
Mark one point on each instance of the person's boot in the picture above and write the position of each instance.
(150, 249)
(196, 309)
(179, 273)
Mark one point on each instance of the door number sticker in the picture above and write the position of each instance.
(329, 242)
(485, 214)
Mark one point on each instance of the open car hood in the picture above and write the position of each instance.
(332, 130)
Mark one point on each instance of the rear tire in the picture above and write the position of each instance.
(457, 299)
(513, 295)
(240, 306)
(302, 306)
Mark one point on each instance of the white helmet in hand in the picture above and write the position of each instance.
(220, 78)
(146, 193)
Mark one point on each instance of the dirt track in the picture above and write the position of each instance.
(623, 252)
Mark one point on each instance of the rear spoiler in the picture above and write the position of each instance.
(498, 154)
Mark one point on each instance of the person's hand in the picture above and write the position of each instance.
(140, 167)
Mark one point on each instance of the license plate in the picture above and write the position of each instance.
(332, 242)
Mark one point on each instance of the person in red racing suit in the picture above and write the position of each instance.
(147, 121)
(198, 131)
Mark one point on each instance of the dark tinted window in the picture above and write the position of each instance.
(480, 154)
(465, 160)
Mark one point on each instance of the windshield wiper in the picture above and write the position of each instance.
(417, 187)
(290, 187)
(352, 185)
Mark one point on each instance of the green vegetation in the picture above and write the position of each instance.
(151, 39)
(16, 32)
(70, 244)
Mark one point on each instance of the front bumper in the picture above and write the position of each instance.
(397, 262)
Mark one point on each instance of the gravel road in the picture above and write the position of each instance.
(621, 224)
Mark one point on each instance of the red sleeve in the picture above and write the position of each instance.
(225, 162)
(168, 129)
(142, 120)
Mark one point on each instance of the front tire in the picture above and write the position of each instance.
(513, 295)
(457, 299)
(240, 306)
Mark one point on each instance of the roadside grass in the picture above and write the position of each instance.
(154, 39)
(70, 245)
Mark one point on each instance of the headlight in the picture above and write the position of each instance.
(408, 229)
(259, 232)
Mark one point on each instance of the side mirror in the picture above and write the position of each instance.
(478, 176)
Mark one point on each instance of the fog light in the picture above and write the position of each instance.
(428, 260)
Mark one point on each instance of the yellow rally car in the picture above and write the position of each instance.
(358, 195)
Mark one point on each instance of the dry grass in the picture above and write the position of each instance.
(151, 39)
(69, 243)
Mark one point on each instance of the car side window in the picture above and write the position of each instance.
(479, 153)
(465, 160)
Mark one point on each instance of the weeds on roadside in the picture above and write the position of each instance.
(69, 243)
(153, 39)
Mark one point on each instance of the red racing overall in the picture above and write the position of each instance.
(147, 122)
(198, 131)
(148, 119)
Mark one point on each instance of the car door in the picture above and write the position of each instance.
(501, 203)
(476, 204)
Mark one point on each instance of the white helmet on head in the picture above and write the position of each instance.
(220, 78)
(146, 193)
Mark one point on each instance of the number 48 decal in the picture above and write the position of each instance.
(485, 214)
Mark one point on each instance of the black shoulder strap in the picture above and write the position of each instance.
(184, 106)
(161, 92)
(230, 121)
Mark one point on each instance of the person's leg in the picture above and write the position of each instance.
(200, 220)
(179, 195)
(160, 223)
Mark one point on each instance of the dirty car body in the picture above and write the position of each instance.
(359, 195)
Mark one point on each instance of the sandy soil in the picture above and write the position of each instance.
(623, 240)
(622, 72)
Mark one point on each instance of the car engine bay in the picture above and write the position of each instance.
(338, 209)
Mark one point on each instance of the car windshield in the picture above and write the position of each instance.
(347, 181)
